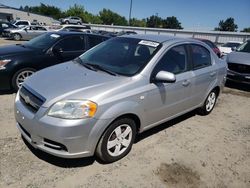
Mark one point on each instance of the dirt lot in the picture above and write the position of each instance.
(191, 151)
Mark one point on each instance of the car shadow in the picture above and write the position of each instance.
(238, 86)
(164, 126)
(60, 162)
(6, 92)
(82, 162)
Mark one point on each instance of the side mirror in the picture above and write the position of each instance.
(165, 77)
(25, 29)
(233, 48)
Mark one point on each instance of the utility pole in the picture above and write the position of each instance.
(130, 10)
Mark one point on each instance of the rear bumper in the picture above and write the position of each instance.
(238, 77)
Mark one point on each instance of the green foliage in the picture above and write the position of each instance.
(109, 17)
(45, 10)
(227, 25)
(172, 23)
(154, 21)
(247, 30)
(137, 23)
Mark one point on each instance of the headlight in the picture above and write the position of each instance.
(3, 63)
(73, 109)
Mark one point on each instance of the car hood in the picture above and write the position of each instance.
(71, 80)
(239, 58)
(14, 49)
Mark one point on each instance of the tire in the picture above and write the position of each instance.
(19, 77)
(119, 145)
(17, 36)
(78, 23)
(67, 22)
(209, 103)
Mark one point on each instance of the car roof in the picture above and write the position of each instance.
(158, 38)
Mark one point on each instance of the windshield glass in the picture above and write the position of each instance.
(44, 41)
(124, 56)
(231, 44)
(245, 47)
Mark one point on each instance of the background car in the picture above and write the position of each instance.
(239, 64)
(212, 45)
(71, 20)
(21, 23)
(17, 62)
(227, 47)
(4, 26)
(98, 103)
(76, 28)
(25, 32)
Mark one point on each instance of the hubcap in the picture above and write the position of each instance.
(119, 140)
(210, 101)
(22, 76)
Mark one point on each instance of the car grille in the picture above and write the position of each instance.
(32, 101)
(240, 68)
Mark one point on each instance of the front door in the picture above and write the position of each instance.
(165, 100)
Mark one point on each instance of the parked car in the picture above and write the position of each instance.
(76, 28)
(126, 33)
(71, 20)
(4, 26)
(98, 103)
(17, 62)
(239, 64)
(25, 32)
(212, 45)
(21, 23)
(228, 47)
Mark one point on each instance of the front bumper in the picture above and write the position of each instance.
(238, 77)
(59, 137)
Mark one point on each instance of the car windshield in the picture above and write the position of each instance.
(231, 44)
(44, 41)
(245, 47)
(123, 56)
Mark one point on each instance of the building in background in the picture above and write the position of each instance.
(9, 13)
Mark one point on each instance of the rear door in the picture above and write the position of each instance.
(204, 70)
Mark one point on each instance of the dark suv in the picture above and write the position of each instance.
(17, 62)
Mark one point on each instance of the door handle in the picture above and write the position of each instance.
(212, 74)
(185, 82)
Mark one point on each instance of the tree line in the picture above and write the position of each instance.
(108, 17)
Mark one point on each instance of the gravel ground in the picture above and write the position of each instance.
(190, 151)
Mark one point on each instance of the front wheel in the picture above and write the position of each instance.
(20, 76)
(117, 140)
(209, 103)
(17, 36)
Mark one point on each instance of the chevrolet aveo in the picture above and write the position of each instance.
(98, 103)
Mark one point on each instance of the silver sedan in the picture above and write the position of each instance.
(99, 102)
(26, 32)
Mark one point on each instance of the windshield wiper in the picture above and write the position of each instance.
(80, 61)
(95, 66)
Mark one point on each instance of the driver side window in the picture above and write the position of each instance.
(174, 61)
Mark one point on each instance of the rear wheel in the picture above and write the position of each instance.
(17, 36)
(78, 23)
(117, 140)
(209, 103)
(67, 22)
(20, 76)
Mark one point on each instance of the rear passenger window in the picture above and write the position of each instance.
(74, 43)
(201, 56)
(174, 61)
(93, 41)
